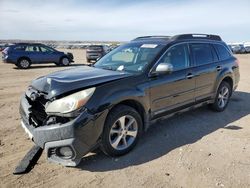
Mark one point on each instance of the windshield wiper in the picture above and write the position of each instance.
(108, 68)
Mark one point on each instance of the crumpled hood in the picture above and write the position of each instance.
(61, 82)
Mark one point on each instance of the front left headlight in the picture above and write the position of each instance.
(70, 103)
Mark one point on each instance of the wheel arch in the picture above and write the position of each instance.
(24, 57)
(138, 107)
(226, 78)
(63, 56)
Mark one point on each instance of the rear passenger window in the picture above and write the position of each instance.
(222, 51)
(203, 53)
(177, 56)
(32, 49)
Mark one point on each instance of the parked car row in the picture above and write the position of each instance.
(240, 48)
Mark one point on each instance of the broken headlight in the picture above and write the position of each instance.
(70, 103)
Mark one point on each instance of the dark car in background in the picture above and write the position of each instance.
(108, 105)
(94, 52)
(25, 54)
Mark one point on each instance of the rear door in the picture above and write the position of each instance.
(206, 68)
(33, 53)
(175, 90)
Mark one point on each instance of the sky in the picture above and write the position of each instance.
(115, 20)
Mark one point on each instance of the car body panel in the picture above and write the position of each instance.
(70, 80)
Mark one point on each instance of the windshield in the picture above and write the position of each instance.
(131, 57)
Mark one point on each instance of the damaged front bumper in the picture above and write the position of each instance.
(65, 143)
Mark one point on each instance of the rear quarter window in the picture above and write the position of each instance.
(222, 51)
(19, 48)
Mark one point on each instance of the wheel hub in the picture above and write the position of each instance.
(123, 132)
(223, 97)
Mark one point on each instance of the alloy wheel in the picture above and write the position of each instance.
(24, 63)
(123, 132)
(65, 61)
(223, 97)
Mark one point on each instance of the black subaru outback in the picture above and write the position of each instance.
(69, 113)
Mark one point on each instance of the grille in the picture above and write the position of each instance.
(38, 115)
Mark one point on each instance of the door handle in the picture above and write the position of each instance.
(218, 68)
(189, 76)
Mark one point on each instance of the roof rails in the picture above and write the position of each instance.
(27, 43)
(181, 37)
(152, 37)
(196, 36)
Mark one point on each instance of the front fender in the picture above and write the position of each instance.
(133, 94)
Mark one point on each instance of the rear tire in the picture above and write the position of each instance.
(222, 97)
(23, 63)
(122, 129)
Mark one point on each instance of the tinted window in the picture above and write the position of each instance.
(95, 48)
(222, 51)
(177, 56)
(203, 53)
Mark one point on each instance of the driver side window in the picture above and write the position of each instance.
(45, 50)
(177, 56)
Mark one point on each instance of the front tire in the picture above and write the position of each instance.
(65, 61)
(122, 130)
(222, 97)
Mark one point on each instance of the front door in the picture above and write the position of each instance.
(175, 90)
(48, 55)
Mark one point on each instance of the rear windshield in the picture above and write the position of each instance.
(95, 48)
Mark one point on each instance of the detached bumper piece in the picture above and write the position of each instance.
(29, 160)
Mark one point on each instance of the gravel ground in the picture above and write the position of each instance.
(199, 148)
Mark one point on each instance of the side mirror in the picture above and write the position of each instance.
(164, 68)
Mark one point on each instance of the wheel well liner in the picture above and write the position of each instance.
(228, 80)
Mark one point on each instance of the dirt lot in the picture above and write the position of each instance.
(196, 149)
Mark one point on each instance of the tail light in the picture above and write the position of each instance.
(5, 51)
